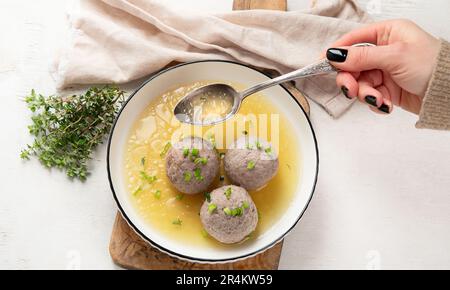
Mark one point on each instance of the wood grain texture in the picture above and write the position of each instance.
(130, 251)
(260, 4)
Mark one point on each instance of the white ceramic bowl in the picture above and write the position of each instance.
(227, 72)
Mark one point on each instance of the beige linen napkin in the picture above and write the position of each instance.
(117, 41)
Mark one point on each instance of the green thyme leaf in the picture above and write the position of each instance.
(25, 155)
(186, 152)
(67, 130)
(251, 165)
(245, 205)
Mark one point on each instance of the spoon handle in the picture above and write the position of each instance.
(319, 68)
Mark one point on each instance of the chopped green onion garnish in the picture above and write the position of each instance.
(186, 152)
(180, 196)
(208, 197)
(212, 139)
(198, 174)
(148, 178)
(211, 208)
(258, 145)
(202, 160)
(228, 192)
(157, 194)
(177, 222)
(251, 165)
(237, 211)
(248, 146)
(233, 212)
(245, 205)
(268, 150)
(166, 149)
(187, 176)
(227, 211)
(137, 191)
(195, 152)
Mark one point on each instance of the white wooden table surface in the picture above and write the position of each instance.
(382, 201)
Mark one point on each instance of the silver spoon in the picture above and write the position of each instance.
(189, 109)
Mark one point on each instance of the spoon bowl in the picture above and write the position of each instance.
(221, 97)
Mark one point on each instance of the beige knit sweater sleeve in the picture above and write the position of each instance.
(435, 112)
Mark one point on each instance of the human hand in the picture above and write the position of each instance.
(395, 72)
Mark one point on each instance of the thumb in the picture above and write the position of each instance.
(357, 59)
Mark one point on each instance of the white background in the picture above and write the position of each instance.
(382, 201)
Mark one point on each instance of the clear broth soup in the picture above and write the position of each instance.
(177, 215)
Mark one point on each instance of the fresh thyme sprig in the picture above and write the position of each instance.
(67, 130)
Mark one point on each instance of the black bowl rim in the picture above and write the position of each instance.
(189, 258)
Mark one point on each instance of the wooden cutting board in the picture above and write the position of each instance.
(130, 251)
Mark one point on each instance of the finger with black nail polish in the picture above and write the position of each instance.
(345, 91)
(337, 54)
(385, 109)
(371, 100)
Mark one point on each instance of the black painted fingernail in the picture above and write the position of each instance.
(371, 100)
(345, 92)
(385, 109)
(337, 54)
